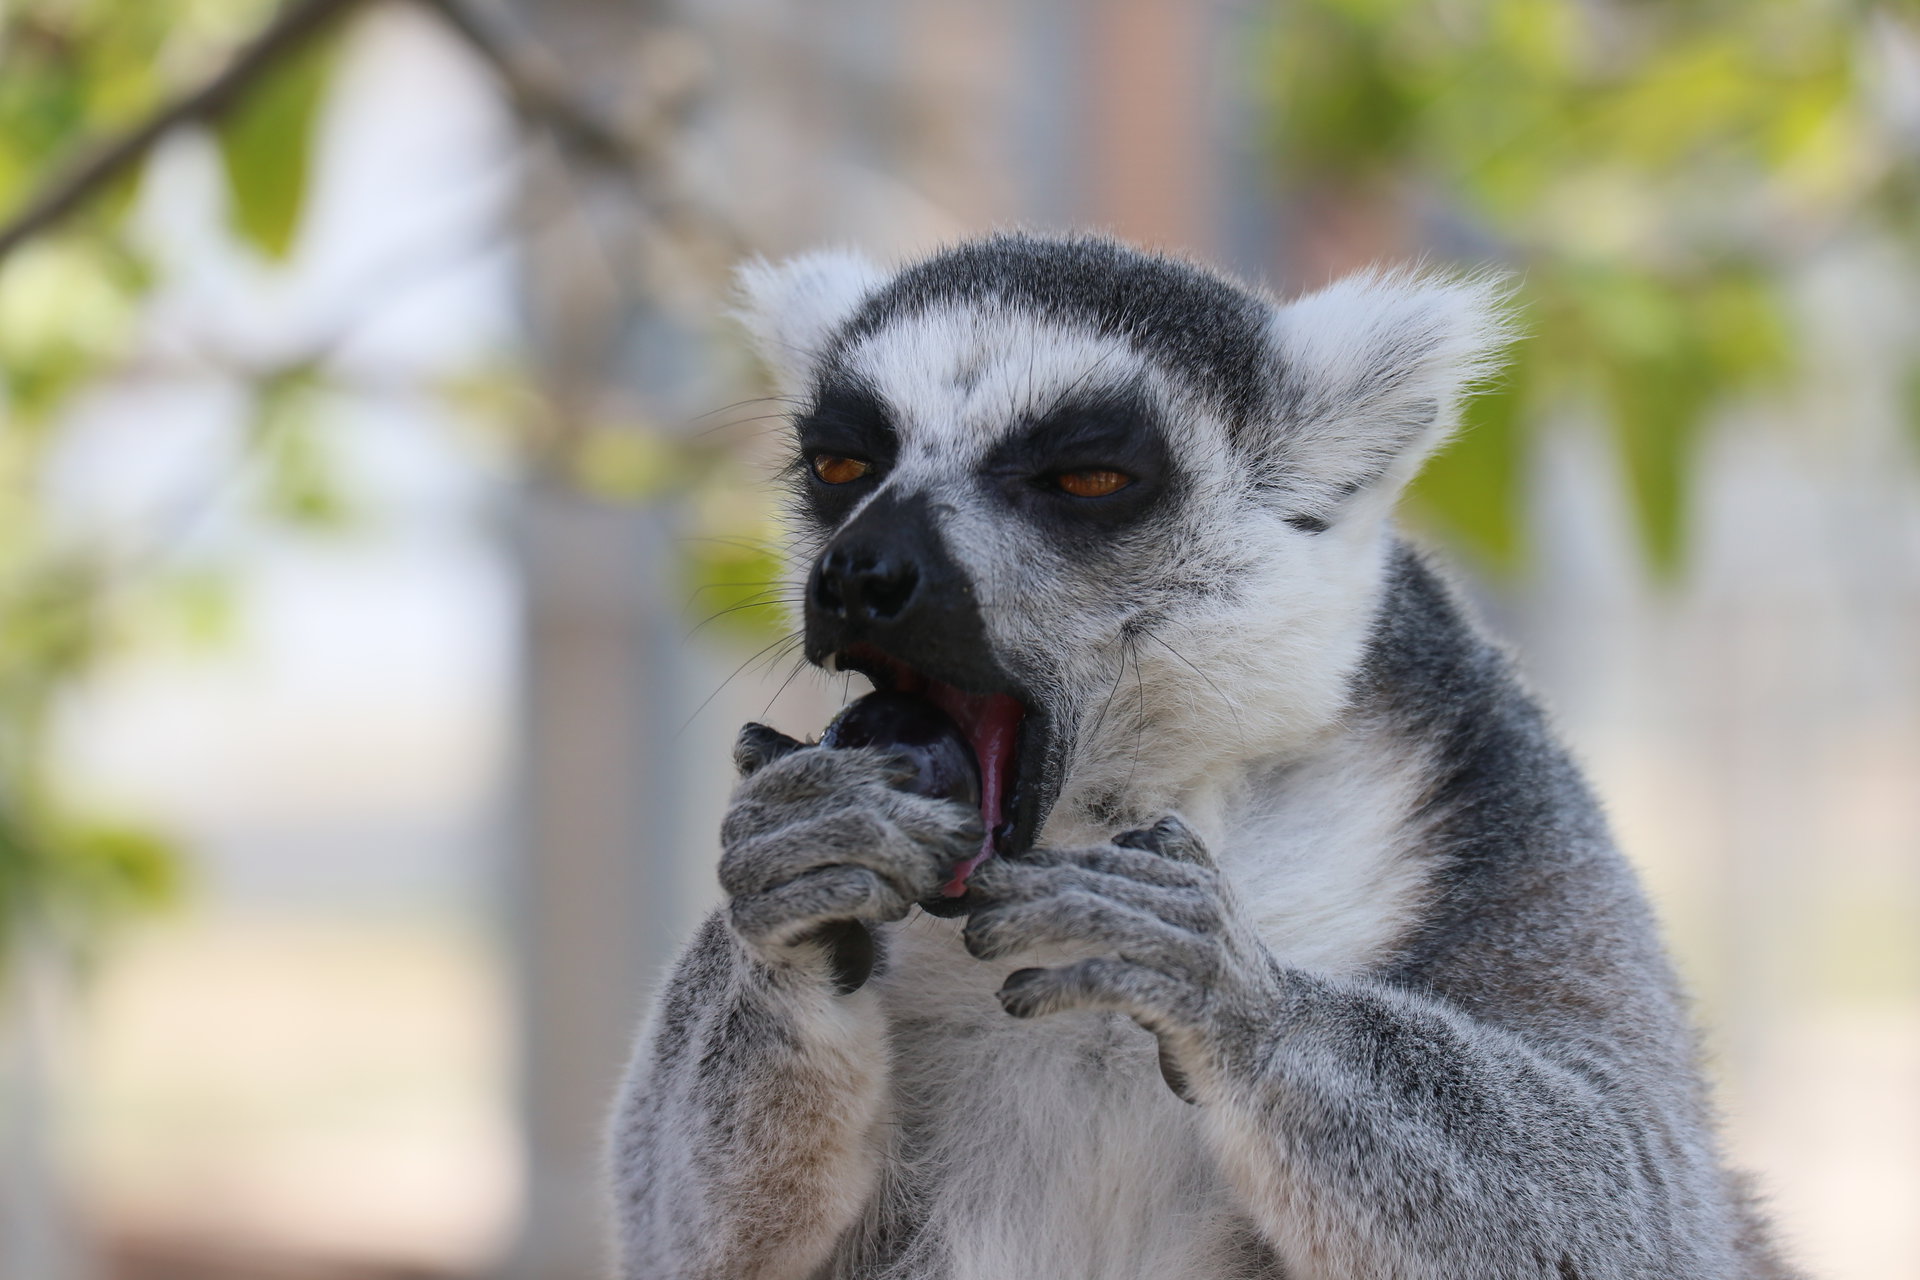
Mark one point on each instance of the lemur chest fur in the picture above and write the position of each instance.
(1054, 1147)
(1034, 1149)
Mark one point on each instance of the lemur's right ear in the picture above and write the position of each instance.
(792, 309)
(1372, 373)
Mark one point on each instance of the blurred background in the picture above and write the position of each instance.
(385, 534)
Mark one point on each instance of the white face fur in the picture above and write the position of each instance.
(1210, 615)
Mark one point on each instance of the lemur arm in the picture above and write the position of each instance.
(745, 1144)
(1370, 1130)
(747, 1139)
(1376, 1132)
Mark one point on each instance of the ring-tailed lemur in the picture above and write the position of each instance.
(1383, 1001)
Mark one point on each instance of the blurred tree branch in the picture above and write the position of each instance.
(535, 84)
(531, 82)
(297, 26)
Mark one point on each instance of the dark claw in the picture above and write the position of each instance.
(759, 746)
(977, 945)
(850, 952)
(1170, 838)
(1176, 1078)
(1012, 992)
(947, 908)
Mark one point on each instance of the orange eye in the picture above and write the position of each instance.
(837, 470)
(1091, 484)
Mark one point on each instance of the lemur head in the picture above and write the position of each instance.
(1124, 519)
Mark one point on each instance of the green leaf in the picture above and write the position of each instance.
(625, 463)
(301, 474)
(67, 308)
(201, 605)
(1659, 404)
(19, 877)
(1471, 493)
(1910, 397)
(115, 867)
(736, 588)
(1657, 171)
(267, 147)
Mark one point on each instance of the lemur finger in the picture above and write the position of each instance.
(1077, 917)
(785, 916)
(1001, 882)
(760, 851)
(952, 828)
(806, 777)
(1150, 998)
(849, 837)
(1154, 1001)
(809, 784)
(1133, 864)
(1171, 838)
(759, 746)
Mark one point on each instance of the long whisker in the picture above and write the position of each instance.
(784, 643)
(766, 602)
(781, 418)
(1239, 725)
(733, 540)
(763, 583)
(1140, 720)
(1119, 673)
(798, 667)
(741, 404)
(776, 658)
(1080, 381)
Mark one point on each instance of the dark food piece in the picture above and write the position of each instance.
(918, 729)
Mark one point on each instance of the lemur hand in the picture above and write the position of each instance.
(818, 839)
(1184, 965)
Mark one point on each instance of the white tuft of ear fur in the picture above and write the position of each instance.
(1373, 369)
(792, 309)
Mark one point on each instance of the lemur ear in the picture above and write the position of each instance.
(792, 309)
(1372, 372)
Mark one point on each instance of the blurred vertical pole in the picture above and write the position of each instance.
(38, 1238)
(1148, 135)
(595, 868)
(1169, 132)
(594, 885)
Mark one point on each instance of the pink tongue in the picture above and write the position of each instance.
(991, 724)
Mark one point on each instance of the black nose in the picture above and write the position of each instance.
(886, 582)
(865, 584)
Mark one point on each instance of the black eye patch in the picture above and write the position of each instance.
(847, 420)
(1107, 429)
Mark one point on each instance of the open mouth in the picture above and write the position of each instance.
(1008, 740)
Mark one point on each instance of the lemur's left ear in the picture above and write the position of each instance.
(792, 309)
(1372, 372)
